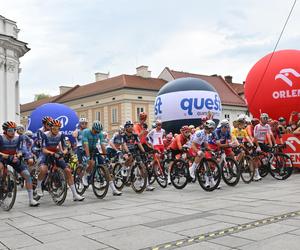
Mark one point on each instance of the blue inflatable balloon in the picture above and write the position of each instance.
(66, 115)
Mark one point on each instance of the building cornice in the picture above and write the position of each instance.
(9, 42)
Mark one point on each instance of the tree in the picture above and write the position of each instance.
(40, 96)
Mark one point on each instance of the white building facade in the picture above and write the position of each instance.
(11, 49)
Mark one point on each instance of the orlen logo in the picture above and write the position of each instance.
(158, 104)
(64, 120)
(284, 75)
(290, 142)
(189, 104)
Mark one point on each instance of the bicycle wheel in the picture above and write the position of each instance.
(160, 176)
(283, 166)
(119, 179)
(57, 186)
(263, 169)
(150, 172)
(230, 172)
(8, 190)
(100, 182)
(208, 169)
(179, 173)
(247, 169)
(77, 176)
(138, 178)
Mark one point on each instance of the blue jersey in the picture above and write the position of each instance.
(51, 142)
(11, 146)
(218, 135)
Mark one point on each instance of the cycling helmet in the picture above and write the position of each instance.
(143, 116)
(158, 122)
(55, 123)
(97, 126)
(20, 127)
(121, 129)
(46, 119)
(169, 136)
(83, 120)
(29, 133)
(128, 124)
(224, 123)
(281, 119)
(185, 129)
(254, 121)
(154, 125)
(264, 116)
(210, 124)
(9, 124)
(192, 127)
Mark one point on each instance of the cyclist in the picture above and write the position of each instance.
(115, 143)
(39, 134)
(141, 129)
(53, 141)
(10, 152)
(168, 140)
(156, 135)
(90, 138)
(198, 142)
(131, 141)
(221, 138)
(262, 134)
(179, 140)
(77, 134)
(276, 134)
(282, 125)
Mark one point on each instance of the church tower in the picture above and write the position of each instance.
(11, 49)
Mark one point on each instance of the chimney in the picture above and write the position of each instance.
(64, 89)
(143, 71)
(101, 76)
(228, 79)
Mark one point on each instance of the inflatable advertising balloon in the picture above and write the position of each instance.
(274, 88)
(66, 115)
(184, 101)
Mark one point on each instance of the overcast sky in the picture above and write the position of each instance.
(70, 40)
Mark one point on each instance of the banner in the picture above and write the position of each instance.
(292, 148)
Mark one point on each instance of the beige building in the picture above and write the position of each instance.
(118, 99)
(110, 100)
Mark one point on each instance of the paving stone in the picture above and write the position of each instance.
(229, 219)
(279, 242)
(92, 217)
(204, 245)
(19, 241)
(264, 232)
(231, 241)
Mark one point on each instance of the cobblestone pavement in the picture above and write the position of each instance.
(260, 215)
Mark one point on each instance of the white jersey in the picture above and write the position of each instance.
(261, 131)
(156, 137)
(199, 137)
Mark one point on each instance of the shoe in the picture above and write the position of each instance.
(78, 197)
(192, 173)
(257, 177)
(150, 188)
(272, 167)
(39, 192)
(169, 179)
(207, 184)
(212, 182)
(34, 203)
(85, 180)
(117, 192)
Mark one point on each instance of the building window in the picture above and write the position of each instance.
(98, 116)
(227, 116)
(82, 116)
(114, 115)
(139, 110)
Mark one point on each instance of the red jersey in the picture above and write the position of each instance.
(178, 140)
(138, 128)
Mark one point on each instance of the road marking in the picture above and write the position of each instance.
(224, 232)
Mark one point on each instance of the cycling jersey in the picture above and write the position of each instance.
(167, 143)
(250, 130)
(156, 136)
(11, 146)
(261, 132)
(179, 139)
(131, 140)
(138, 128)
(79, 137)
(90, 139)
(50, 142)
(117, 140)
(199, 137)
(239, 134)
(218, 135)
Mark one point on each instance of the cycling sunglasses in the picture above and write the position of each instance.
(10, 130)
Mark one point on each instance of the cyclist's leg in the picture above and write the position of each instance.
(43, 168)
